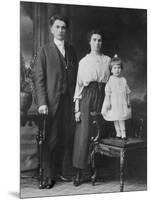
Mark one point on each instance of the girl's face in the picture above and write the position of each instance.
(116, 70)
(95, 42)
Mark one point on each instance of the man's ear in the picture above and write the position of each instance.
(50, 28)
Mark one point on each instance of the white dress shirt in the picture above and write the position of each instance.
(91, 68)
(60, 46)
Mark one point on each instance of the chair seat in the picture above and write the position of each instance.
(121, 143)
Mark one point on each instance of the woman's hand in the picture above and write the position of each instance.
(78, 116)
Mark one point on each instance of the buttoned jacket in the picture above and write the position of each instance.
(49, 74)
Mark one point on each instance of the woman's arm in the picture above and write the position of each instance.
(77, 111)
(77, 108)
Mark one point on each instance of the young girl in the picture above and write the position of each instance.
(116, 106)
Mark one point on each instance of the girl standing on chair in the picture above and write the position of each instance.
(116, 106)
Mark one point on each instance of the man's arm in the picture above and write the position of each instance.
(40, 83)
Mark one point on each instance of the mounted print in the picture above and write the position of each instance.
(83, 99)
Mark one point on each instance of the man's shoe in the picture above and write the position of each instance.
(63, 179)
(47, 183)
(50, 184)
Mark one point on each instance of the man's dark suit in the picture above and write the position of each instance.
(55, 79)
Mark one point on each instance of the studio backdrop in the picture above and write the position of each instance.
(125, 34)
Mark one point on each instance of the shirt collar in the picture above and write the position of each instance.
(59, 42)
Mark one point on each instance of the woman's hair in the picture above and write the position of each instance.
(53, 18)
(95, 31)
(115, 61)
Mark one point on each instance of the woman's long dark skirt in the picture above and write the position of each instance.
(92, 100)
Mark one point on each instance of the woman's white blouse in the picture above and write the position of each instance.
(91, 68)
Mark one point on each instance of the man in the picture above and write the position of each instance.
(55, 79)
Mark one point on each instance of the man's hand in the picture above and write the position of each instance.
(78, 116)
(43, 109)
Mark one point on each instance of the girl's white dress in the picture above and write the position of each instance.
(118, 90)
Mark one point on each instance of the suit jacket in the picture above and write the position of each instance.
(48, 74)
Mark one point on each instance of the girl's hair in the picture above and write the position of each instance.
(55, 17)
(95, 31)
(115, 61)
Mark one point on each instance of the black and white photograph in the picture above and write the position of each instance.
(75, 99)
(83, 99)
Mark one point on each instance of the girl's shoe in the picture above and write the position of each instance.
(124, 138)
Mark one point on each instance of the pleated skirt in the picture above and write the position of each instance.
(92, 100)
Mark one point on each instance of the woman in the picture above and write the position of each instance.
(93, 73)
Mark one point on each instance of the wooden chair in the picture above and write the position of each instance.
(113, 147)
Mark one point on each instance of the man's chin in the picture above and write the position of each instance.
(60, 38)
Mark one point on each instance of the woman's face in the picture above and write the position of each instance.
(95, 42)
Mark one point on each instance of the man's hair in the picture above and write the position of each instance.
(53, 18)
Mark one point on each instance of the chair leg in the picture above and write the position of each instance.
(93, 177)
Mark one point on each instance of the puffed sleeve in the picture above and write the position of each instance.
(107, 72)
(79, 85)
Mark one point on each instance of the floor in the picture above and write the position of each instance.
(29, 187)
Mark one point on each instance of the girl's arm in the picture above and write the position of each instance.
(108, 101)
(128, 91)
(128, 101)
(108, 95)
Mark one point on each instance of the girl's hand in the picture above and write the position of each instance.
(128, 105)
(78, 116)
(108, 106)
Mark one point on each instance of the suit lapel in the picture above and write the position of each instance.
(55, 57)
(67, 55)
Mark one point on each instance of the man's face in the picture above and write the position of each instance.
(58, 29)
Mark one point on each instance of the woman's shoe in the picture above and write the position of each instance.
(76, 181)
